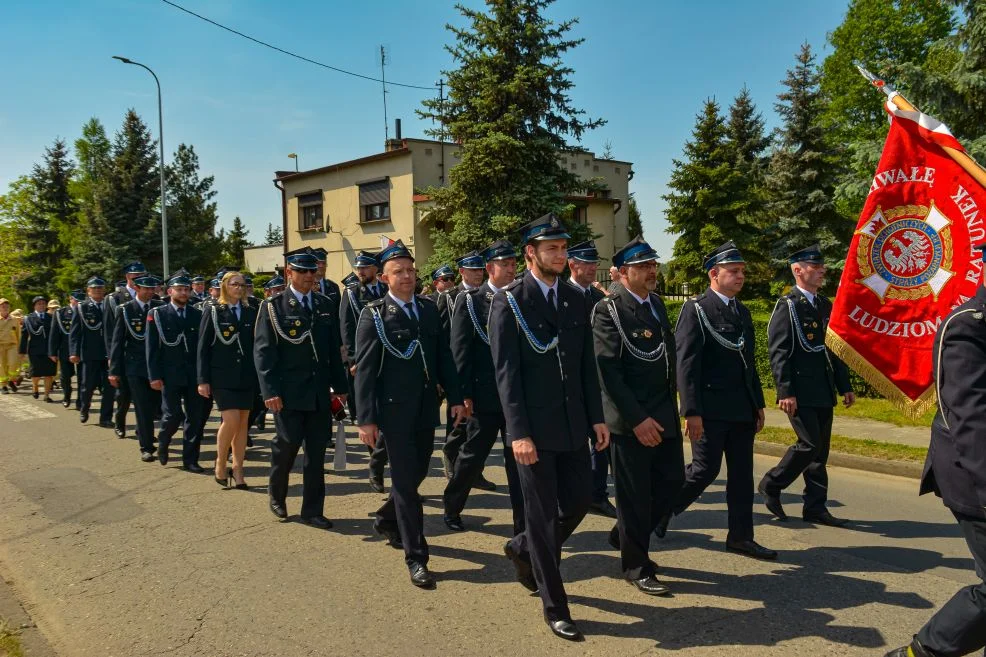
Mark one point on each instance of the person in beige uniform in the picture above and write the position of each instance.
(10, 337)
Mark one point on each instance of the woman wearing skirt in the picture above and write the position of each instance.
(34, 344)
(227, 374)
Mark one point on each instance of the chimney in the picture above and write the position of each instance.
(397, 129)
(396, 143)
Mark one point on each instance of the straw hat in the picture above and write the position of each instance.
(53, 305)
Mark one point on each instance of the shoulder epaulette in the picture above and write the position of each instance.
(376, 303)
(422, 297)
(514, 283)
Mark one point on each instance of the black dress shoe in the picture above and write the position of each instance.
(146, 457)
(525, 573)
(915, 649)
(106, 424)
(772, 502)
(603, 508)
(49, 400)
(37, 394)
(662, 526)
(376, 484)
(482, 483)
(393, 537)
(162, 450)
(249, 440)
(66, 403)
(318, 522)
(825, 518)
(565, 629)
(120, 433)
(421, 576)
(454, 523)
(193, 467)
(751, 549)
(650, 586)
(278, 509)
(614, 538)
(83, 416)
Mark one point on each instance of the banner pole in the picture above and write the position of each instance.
(962, 158)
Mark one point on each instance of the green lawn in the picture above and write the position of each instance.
(10, 645)
(869, 409)
(857, 446)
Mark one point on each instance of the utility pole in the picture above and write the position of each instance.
(383, 80)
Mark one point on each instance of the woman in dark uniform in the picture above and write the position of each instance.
(226, 372)
(34, 344)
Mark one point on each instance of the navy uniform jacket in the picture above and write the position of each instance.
(446, 306)
(812, 377)
(471, 352)
(353, 299)
(128, 354)
(634, 388)
(110, 303)
(554, 409)
(330, 289)
(595, 296)
(253, 302)
(34, 334)
(61, 327)
(87, 340)
(176, 365)
(955, 469)
(300, 374)
(392, 392)
(226, 365)
(712, 380)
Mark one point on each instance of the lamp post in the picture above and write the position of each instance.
(294, 156)
(160, 127)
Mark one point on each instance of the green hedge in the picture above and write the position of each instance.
(760, 310)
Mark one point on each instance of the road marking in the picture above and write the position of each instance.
(21, 410)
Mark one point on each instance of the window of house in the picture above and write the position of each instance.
(427, 151)
(595, 168)
(587, 164)
(310, 211)
(374, 200)
(580, 214)
(618, 170)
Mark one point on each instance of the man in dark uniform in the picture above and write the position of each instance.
(35, 330)
(128, 360)
(198, 289)
(546, 376)
(87, 347)
(172, 344)
(955, 471)
(471, 269)
(274, 286)
(807, 376)
(721, 396)
(583, 261)
(470, 345)
(132, 272)
(442, 280)
(251, 300)
(324, 285)
(361, 288)
(402, 356)
(635, 354)
(299, 364)
(258, 414)
(58, 346)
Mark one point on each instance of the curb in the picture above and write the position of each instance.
(909, 469)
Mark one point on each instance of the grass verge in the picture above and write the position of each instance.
(857, 446)
(10, 644)
(880, 410)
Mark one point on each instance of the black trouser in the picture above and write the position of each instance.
(259, 407)
(410, 452)
(735, 440)
(480, 432)
(206, 409)
(351, 399)
(172, 398)
(123, 397)
(66, 370)
(513, 487)
(959, 628)
(378, 460)
(145, 398)
(293, 428)
(647, 480)
(557, 495)
(95, 374)
(807, 457)
(600, 471)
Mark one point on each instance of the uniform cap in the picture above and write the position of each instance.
(584, 252)
(320, 254)
(726, 254)
(37, 299)
(634, 252)
(277, 281)
(350, 280)
(95, 281)
(198, 278)
(215, 284)
(147, 281)
(365, 259)
(499, 250)
(471, 260)
(179, 280)
(78, 295)
(812, 254)
(395, 250)
(135, 267)
(442, 272)
(546, 227)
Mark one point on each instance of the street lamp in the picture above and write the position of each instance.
(160, 126)
(294, 156)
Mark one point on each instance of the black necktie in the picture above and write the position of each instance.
(181, 314)
(731, 304)
(409, 307)
(236, 313)
(373, 291)
(304, 302)
(588, 294)
(551, 299)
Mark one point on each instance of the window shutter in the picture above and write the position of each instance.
(374, 193)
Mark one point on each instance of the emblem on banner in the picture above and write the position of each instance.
(905, 252)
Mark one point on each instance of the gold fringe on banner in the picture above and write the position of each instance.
(912, 408)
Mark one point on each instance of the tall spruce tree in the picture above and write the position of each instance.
(191, 213)
(274, 235)
(699, 209)
(509, 110)
(634, 224)
(90, 244)
(17, 206)
(803, 174)
(235, 242)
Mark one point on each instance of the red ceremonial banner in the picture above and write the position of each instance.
(910, 262)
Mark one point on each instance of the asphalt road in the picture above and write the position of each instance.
(114, 557)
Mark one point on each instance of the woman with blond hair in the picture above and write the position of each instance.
(10, 339)
(226, 372)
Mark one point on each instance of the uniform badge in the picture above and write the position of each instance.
(811, 336)
(647, 333)
(814, 324)
(292, 302)
(977, 315)
(297, 322)
(225, 334)
(564, 303)
(292, 332)
(391, 308)
(905, 252)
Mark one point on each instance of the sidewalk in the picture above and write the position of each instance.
(863, 429)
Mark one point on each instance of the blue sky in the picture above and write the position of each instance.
(646, 67)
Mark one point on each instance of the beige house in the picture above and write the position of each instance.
(263, 259)
(355, 205)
